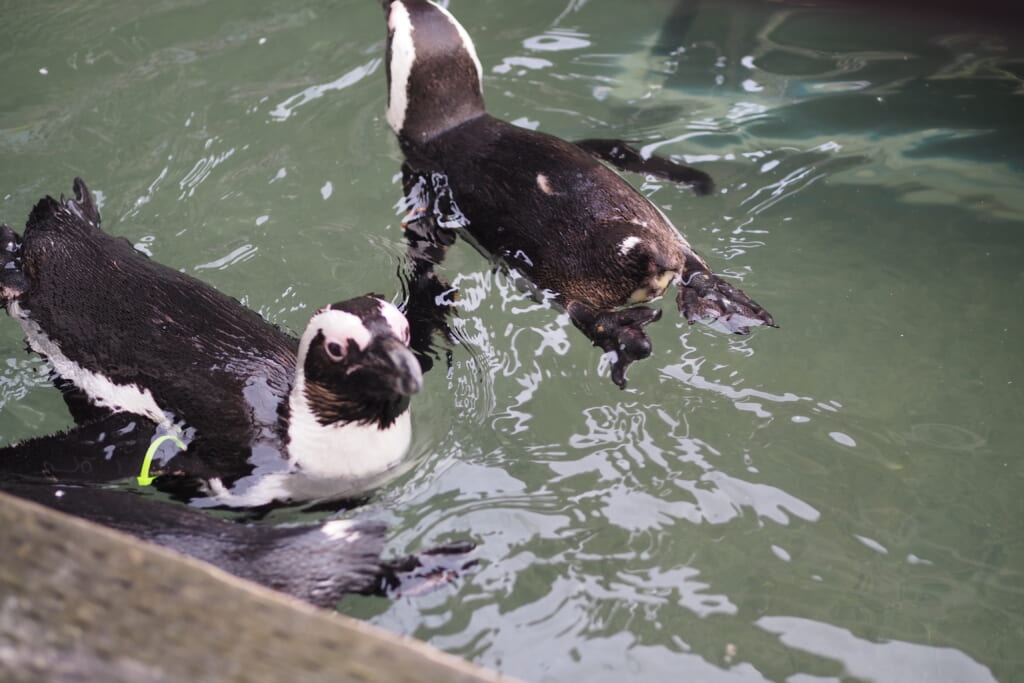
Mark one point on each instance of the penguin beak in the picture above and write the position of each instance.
(397, 365)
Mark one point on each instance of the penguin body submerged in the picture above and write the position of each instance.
(544, 206)
(285, 418)
(318, 563)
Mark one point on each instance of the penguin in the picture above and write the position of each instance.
(319, 563)
(543, 206)
(261, 417)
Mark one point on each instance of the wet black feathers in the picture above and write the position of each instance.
(563, 230)
(117, 313)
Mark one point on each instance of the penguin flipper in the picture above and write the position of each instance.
(322, 563)
(121, 446)
(425, 571)
(619, 331)
(624, 157)
(317, 563)
(79, 214)
(105, 450)
(13, 282)
(703, 295)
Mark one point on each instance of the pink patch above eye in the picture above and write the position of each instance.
(341, 327)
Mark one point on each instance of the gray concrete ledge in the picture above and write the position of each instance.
(80, 602)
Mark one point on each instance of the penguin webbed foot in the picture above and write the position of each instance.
(703, 295)
(624, 157)
(618, 331)
(103, 451)
(13, 282)
(424, 571)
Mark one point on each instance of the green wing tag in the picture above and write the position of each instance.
(144, 479)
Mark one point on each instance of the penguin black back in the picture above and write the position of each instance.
(543, 205)
(572, 214)
(304, 417)
(135, 322)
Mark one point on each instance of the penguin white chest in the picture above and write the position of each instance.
(348, 450)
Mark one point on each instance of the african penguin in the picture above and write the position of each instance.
(265, 417)
(541, 205)
(317, 563)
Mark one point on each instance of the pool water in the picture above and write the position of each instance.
(838, 499)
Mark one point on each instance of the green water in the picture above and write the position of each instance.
(838, 499)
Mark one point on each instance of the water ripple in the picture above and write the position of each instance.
(284, 109)
(894, 660)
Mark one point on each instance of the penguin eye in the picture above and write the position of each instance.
(334, 350)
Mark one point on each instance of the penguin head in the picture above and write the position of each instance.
(434, 74)
(354, 364)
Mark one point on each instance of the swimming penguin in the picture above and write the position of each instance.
(541, 205)
(317, 563)
(264, 416)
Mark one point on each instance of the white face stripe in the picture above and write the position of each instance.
(467, 42)
(342, 326)
(403, 54)
(396, 321)
(336, 326)
(626, 245)
(544, 184)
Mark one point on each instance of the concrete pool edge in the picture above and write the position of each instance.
(81, 601)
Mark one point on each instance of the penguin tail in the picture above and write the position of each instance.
(79, 214)
(13, 282)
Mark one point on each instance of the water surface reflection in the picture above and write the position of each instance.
(836, 499)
